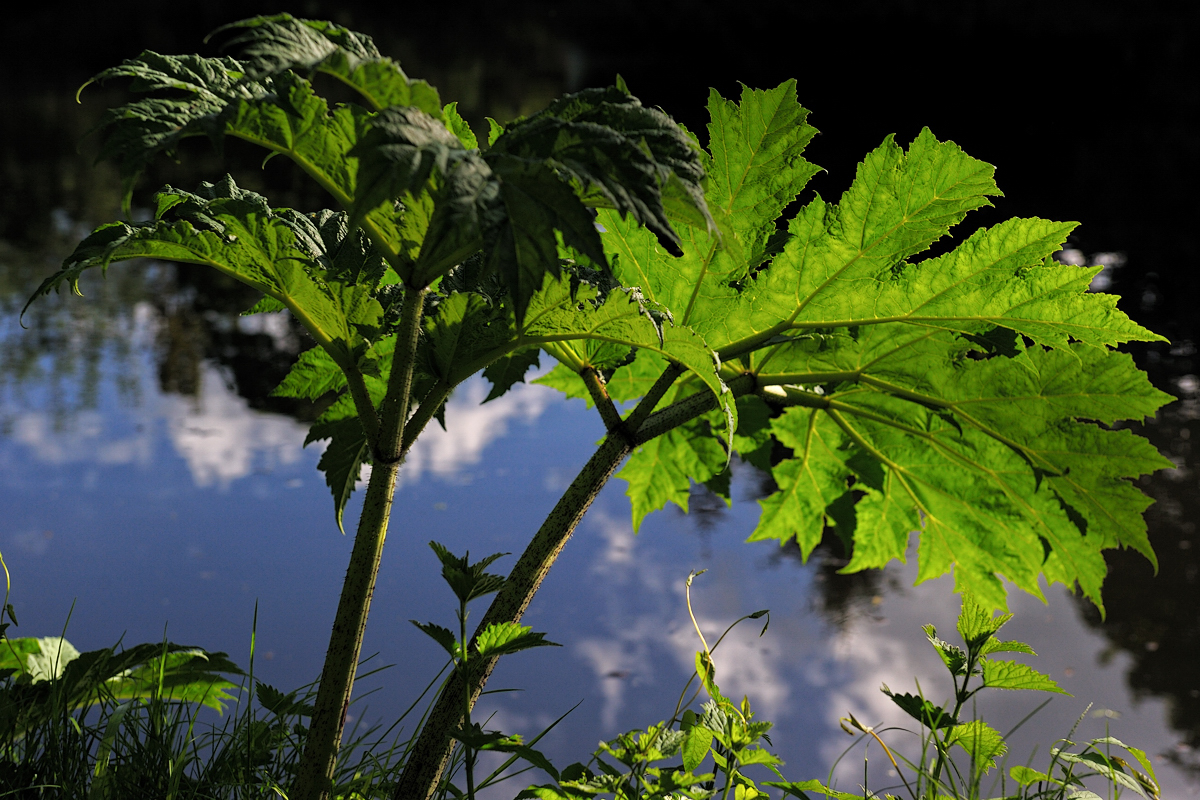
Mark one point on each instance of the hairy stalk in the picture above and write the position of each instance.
(433, 400)
(393, 411)
(688, 408)
(604, 404)
(314, 777)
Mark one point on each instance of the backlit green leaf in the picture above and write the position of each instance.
(808, 482)
(344, 456)
(662, 470)
(982, 743)
(509, 370)
(276, 251)
(1013, 675)
(504, 638)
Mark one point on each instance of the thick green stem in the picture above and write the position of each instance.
(315, 775)
(393, 412)
(314, 778)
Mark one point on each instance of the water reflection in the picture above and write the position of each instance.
(1154, 619)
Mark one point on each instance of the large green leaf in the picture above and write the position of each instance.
(348, 450)
(983, 743)
(809, 482)
(963, 398)
(192, 92)
(313, 376)
(563, 313)
(215, 97)
(293, 259)
(598, 147)
(277, 251)
(1014, 675)
(619, 153)
(662, 470)
(51, 678)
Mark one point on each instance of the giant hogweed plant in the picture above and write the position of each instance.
(966, 398)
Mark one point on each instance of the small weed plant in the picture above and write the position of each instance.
(957, 755)
(693, 292)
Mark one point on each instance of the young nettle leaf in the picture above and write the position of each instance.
(983, 743)
(279, 703)
(498, 742)
(442, 636)
(976, 624)
(1025, 776)
(505, 638)
(955, 658)
(997, 646)
(468, 581)
(1014, 675)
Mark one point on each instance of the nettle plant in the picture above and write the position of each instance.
(967, 398)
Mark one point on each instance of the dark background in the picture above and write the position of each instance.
(1088, 109)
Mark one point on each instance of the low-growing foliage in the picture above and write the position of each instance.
(945, 736)
(956, 754)
(102, 733)
(966, 398)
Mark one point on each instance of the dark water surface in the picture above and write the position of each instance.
(147, 482)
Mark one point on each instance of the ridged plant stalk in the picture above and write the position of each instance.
(314, 777)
